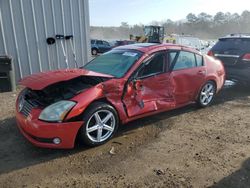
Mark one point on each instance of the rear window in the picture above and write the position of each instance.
(232, 46)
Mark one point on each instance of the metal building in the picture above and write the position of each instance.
(26, 24)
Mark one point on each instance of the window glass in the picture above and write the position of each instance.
(99, 42)
(114, 62)
(153, 66)
(105, 43)
(185, 60)
(171, 57)
(232, 46)
(92, 42)
(199, 60)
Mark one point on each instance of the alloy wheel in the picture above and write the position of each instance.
(100, 126)
(207, 93)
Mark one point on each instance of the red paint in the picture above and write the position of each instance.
(246, 57)
(210, 53)
(41, 80)
(32, 127)
(132, 100)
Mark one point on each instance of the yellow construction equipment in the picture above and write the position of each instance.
(152, 34)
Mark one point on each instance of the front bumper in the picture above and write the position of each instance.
(41, 133)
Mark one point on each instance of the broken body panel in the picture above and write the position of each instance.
(132, 98)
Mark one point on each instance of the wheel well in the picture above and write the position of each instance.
(214, 83)
(94, 49)
(203, 85)
(79, 117)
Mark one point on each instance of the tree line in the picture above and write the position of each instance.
(203, 25)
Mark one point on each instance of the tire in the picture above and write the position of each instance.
(94, 51)
(100, 124)
(206, 95)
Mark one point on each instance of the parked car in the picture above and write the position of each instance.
(99, 46)
(123, 42)
(124, 84)
(185, 40)
(234, 52)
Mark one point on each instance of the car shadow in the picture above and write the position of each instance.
(239, 92)
(16, 152)
(239, 178)
(230, 93)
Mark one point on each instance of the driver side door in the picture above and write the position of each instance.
(150, 89)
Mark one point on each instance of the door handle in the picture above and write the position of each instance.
(202, 72)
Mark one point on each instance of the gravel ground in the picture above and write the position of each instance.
(188, 147)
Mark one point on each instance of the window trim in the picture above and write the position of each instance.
(179, 51)
(171, 66)
(202, 59)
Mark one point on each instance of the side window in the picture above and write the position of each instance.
(99, 42)
(105, 43)
(199, 60)
(92, 42)
(171, 57)
(153, 66)
(185, 60)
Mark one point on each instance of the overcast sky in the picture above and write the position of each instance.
(113, 12)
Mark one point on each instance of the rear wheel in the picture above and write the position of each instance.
(101, 123)
(206, 94)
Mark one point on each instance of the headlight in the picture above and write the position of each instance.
(56, 111)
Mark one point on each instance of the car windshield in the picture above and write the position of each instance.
(115, 62)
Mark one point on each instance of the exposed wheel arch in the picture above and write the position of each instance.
(206, 94)
(79, 117)
(107, 126)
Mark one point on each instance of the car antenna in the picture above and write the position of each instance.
(70, 37)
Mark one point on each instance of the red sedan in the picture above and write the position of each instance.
(122, 85)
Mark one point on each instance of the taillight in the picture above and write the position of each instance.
(210, 53)
(246, 57)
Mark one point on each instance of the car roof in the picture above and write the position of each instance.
(236, 35)
(147, 47)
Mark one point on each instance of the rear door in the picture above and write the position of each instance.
(187, 75)
(150, 89)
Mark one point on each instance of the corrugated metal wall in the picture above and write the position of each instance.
(26, 24)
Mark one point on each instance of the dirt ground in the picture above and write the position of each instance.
(188, 147)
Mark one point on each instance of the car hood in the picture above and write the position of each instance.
(41, 80)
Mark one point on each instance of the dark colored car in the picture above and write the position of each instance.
(124, 84)
(234, 52)
(123, 42)
(99, 46)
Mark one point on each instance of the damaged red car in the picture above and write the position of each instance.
(122, 85)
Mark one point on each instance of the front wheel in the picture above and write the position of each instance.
(206, 94)
(100, 124)
(94, 51)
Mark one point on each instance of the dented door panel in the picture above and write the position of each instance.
(187, 83)
(155, 94)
